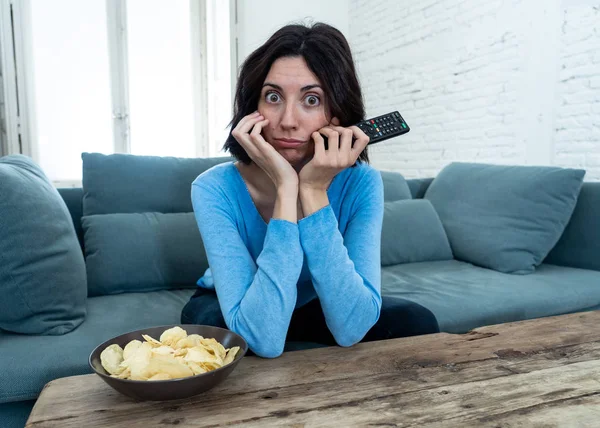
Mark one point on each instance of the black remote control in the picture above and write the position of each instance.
(384, 127)
(381, 128)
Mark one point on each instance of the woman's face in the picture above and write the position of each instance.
(294, 102)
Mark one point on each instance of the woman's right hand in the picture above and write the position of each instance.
(248, 134)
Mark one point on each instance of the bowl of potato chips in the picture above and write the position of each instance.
(168, 362)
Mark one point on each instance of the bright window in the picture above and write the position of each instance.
(71, 85)
(174, 98)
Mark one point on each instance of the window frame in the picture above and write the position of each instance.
(17, 76)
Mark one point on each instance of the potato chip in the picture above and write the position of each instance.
(138, 362)
(213, 346)
(160, 376)
(163, 350)
(189, 342)
(176, 355)
(231, 353)
(125, 374)
(151, 340)
(130, 348)
(111, 358)
(173, 335)
(170, 365)
(199, 354)
(196, 368)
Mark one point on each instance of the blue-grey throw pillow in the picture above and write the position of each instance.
(412, 232)
(142, 252)
(504, 217)
(122, 183)
(142, 248)
(43, 286)
(395, 186)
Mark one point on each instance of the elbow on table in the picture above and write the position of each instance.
(267, 350)
(263, 342)
(350, 333)
(349, 338)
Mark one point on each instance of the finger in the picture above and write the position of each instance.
(333, 138)
(361, 142)
(246, 118)
(246, 140)
(256, 135)
(319, 145)
(246, 124)
(346, 135)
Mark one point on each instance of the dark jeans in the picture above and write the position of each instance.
(399, 318)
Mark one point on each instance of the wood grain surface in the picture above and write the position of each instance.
(537, 373)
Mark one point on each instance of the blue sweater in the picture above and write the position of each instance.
(261, 272)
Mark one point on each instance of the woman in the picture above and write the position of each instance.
(292, 230)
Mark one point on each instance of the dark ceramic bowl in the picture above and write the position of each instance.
(158, 390)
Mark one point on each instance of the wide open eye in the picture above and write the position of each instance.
(312, 100)
(272, 97)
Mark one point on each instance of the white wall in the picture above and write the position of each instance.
(513, 81)
(259, 19)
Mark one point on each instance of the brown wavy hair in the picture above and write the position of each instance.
(328, 56)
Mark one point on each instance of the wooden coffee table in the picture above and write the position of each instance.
(543, 372)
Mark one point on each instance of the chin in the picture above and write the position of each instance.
(294, 157)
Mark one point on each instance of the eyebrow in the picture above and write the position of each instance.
(302, 89)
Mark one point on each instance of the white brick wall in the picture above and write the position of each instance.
(511, 82)
(577, 139)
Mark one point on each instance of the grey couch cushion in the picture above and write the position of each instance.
(504, 217)
(36, 360)
(42, 273)
(412, 232)
(142, 252)
(463, 296)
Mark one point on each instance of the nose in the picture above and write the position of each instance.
(289, 120)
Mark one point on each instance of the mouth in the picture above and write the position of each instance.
(288, 142)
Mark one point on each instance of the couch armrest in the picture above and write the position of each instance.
(579, 245)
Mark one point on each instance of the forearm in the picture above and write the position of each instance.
(312, 200)
(264, 313)
(258, 303)
(286, 204)
(349, 291)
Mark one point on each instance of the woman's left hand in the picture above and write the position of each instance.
(317, 174)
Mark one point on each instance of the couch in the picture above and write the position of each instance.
(118, 188)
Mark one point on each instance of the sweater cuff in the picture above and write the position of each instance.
(281, 229)
(318, 225)
(283, 238)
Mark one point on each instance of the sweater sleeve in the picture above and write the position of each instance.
(346, 269)
(257, 299)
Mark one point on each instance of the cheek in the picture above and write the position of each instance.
(268, 112)
(318, 121)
